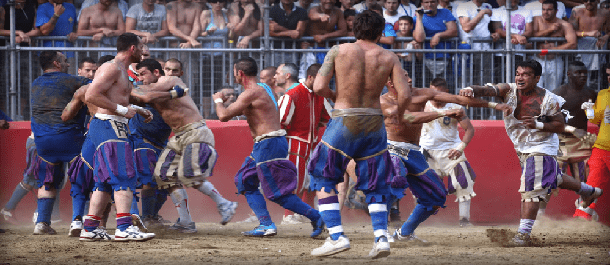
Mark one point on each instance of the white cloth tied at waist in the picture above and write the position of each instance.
(277, 133)
(355, 112)
(106, 117)
(408, 146)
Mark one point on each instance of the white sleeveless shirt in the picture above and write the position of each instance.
(442, 133)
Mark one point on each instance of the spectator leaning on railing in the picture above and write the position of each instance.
(520, 28)
(147, 20)
(183, 22)
(57, 18)
(246, 17)
(592, 26)
(101, 21)
(287, 20)
(25, 22)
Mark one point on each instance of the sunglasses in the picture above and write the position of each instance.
(215, 1)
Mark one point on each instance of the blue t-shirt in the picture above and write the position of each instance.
(436, 24)
(388, 31)
(5, 117)
(51, 92)
(156, 131)
(63, 27)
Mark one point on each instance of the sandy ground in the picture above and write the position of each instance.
(558, 242)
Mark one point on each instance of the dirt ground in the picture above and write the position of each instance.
(559, 242)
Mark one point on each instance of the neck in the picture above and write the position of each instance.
(123, 59)
(51, 70)
(574, 85)
(249, 82)
(391, 13)
(288, 7)
(288, 84)
(148, 7)
(528, 91)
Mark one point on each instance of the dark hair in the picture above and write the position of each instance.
(241, 11)
(85, 60)
(174, 60)
(532, 64)
(407, 18)
(349, 13)
(247, 65)
(125, 41)
(293, 70)
(606, 66)
(550, 2)
(368, 25)
(270, 68)
(104, 59)
(313, 69)
(151, 65)
(576, 64)
(439, 82)
(376, 7)
(47, 58)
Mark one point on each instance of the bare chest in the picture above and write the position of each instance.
(105, 20)
(528, 106)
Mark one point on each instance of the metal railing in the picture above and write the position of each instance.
(209, 68)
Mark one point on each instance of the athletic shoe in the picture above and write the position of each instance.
(152, 222)
(97, 234)
(8, 216)
(227, 212)
(262, 231)
(132, 233)
(43, 228)
(187, 229)
(250, 219)
(381, 248)
(464, 222)
(75, 228)
(521, 240)
(332, 247)
(290, 220)
(412, 237)
(587, 200)
(318, 228)
(162, 220)
(137, 221)
(389, 237)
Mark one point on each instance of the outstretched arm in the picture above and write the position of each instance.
(235, 109)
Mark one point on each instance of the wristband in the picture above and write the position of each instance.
(177, 92)
(461, 147)
(569, 129)
(539, 125)
(583, 34)
(492, 105)
(122, 110)
(55, 15)
(136, 107)
(219, 100)
(544, 52)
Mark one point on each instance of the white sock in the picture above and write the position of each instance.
(207, 188)
(180, 199)
(464, 209)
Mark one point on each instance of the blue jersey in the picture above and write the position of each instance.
(156, 131)
(63, 27)
(436, 24)
(51, 92)
(388, 31)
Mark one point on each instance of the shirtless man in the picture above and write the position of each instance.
(267, 76)
(548, 25)
(268, 164)
(246, 18)
(356, 130)
(533, 128)
(183, 22)
(101, 20)
(590, 23)
(326, 21)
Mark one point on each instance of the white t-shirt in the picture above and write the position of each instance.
(148, 22)
(519, 18)
(469, 10)
(390, 19)
(536, 9)
(407, 10)
(442, 133)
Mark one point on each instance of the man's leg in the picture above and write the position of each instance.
(20, 191)
(46, 199)
(225, 207)
(247, 183)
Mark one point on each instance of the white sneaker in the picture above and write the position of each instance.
(75, 228)
(332, 247)
(412, 237)
(381, 248)
(8, 216)
(227, 212)
(390, 237)
(43, 228)
(35, 217)
(250, 219)
(132, 233)
(98, 234)
(289, 220)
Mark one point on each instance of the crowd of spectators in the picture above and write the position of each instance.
(583, 23)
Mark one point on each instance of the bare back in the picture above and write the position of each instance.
(361, 71)
(178, 112)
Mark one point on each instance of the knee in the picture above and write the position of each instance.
(27, 186)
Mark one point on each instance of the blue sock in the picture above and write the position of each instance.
(78, 206)
(45, 207)
(18, 194)
(418, 215)
(329, 210)
(134, 205)
(379, 218)
(149, 201)
(161, 198)
(294, 203)
(257, 203)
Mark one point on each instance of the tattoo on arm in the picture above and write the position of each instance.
(329, 61)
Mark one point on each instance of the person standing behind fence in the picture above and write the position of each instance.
(536, 8)
(121, 4)
(548, 25)
(326, 21)
(288, 20)
(102, 21)
(390, 14)
(592, 26)
(439, 24)
(147, 20)
(246, 17)
(57, 18)
(183, 22)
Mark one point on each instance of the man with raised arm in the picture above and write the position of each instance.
(533, 128)
(357, 131)
(268, 164)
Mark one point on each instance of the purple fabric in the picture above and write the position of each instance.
(91, 222)
(550, 171)
(203, 157)
(126, 220)
(278, 178)
(166, 164)
(79, 169)
(145, 160)
(581, 171)
(113, 159)
(329, 200)
(460, 176)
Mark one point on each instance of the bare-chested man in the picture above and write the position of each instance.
(183, 22)
(326, 21)
(268, 164)
(101, 21)
(548, 25)
(590, 23)
(246, 18)
(357, 131)
(533, 128)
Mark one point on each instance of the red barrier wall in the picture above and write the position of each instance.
(491, 154)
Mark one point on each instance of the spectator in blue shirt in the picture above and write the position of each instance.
(57, 18)
(389, 35)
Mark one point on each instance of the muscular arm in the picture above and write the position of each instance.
(468, 128)
(84, 28)
(574, 19)
(488, 91)
(419, 34)
(163, 32)
(139, 96)
(97, 94)
(450, 32)
(75, 104)
(237, 108)
(325, 74)
(469, 24)
(570, 35)
(120, 26)
(556, 123)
